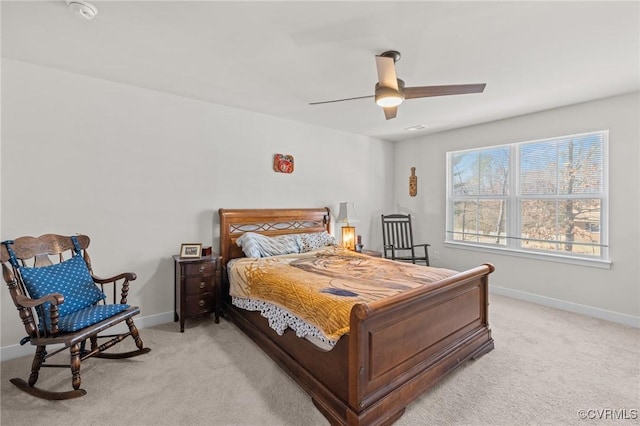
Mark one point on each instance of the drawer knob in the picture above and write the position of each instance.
(201, 269)
(202, 303)
(202, 284)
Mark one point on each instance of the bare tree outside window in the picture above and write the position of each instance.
(482, 179)
(562, 174)
(554, 205)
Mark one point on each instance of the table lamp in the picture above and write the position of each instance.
(348, 215)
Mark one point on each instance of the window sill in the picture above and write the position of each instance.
(573, 260)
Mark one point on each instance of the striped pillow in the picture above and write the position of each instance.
(258, 245)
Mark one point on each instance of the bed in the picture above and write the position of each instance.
(395, 348)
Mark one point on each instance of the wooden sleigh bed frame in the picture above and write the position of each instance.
(396, 348)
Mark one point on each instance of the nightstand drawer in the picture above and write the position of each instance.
(199, 285)
(200, 304)
(200, 268)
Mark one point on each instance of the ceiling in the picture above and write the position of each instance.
(276, 57)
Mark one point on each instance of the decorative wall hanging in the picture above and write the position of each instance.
(413, 183)
(283, 163)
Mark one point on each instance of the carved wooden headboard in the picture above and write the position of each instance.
(235, 222)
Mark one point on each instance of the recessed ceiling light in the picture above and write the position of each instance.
(83, 8)
(415, 128)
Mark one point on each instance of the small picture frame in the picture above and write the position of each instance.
(191, 250)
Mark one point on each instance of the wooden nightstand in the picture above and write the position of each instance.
(196, 288)
(372, 253)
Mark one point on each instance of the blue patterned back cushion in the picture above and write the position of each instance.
(70, 278)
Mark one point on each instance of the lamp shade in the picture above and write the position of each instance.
(347, 213)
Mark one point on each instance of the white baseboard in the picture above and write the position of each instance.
(17, 350)
(576, 308)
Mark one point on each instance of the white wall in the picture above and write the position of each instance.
(141, 172)
(611, 294)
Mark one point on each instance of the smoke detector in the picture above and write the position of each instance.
(82, 8)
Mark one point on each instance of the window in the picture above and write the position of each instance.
(547, 197)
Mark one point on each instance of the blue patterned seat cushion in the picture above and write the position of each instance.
(88, 316)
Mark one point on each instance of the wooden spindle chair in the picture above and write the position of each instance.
(61, 301)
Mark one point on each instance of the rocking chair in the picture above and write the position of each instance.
(69, 304)
(397, 240)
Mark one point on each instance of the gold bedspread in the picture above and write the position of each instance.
(321, 287)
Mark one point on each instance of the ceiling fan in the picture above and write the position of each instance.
(390, 90)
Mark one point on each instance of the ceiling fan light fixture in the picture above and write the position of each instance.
(390, 91)
(387, 97)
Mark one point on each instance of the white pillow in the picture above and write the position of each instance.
(258, 245)
(316, 240)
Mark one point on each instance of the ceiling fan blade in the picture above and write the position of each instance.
(455, 89)
(386, 72)
(390, 112)
(340, 100)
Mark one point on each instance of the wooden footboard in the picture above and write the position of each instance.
(401, 346)
(396, 349)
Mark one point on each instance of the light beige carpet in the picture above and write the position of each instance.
(547, 365)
